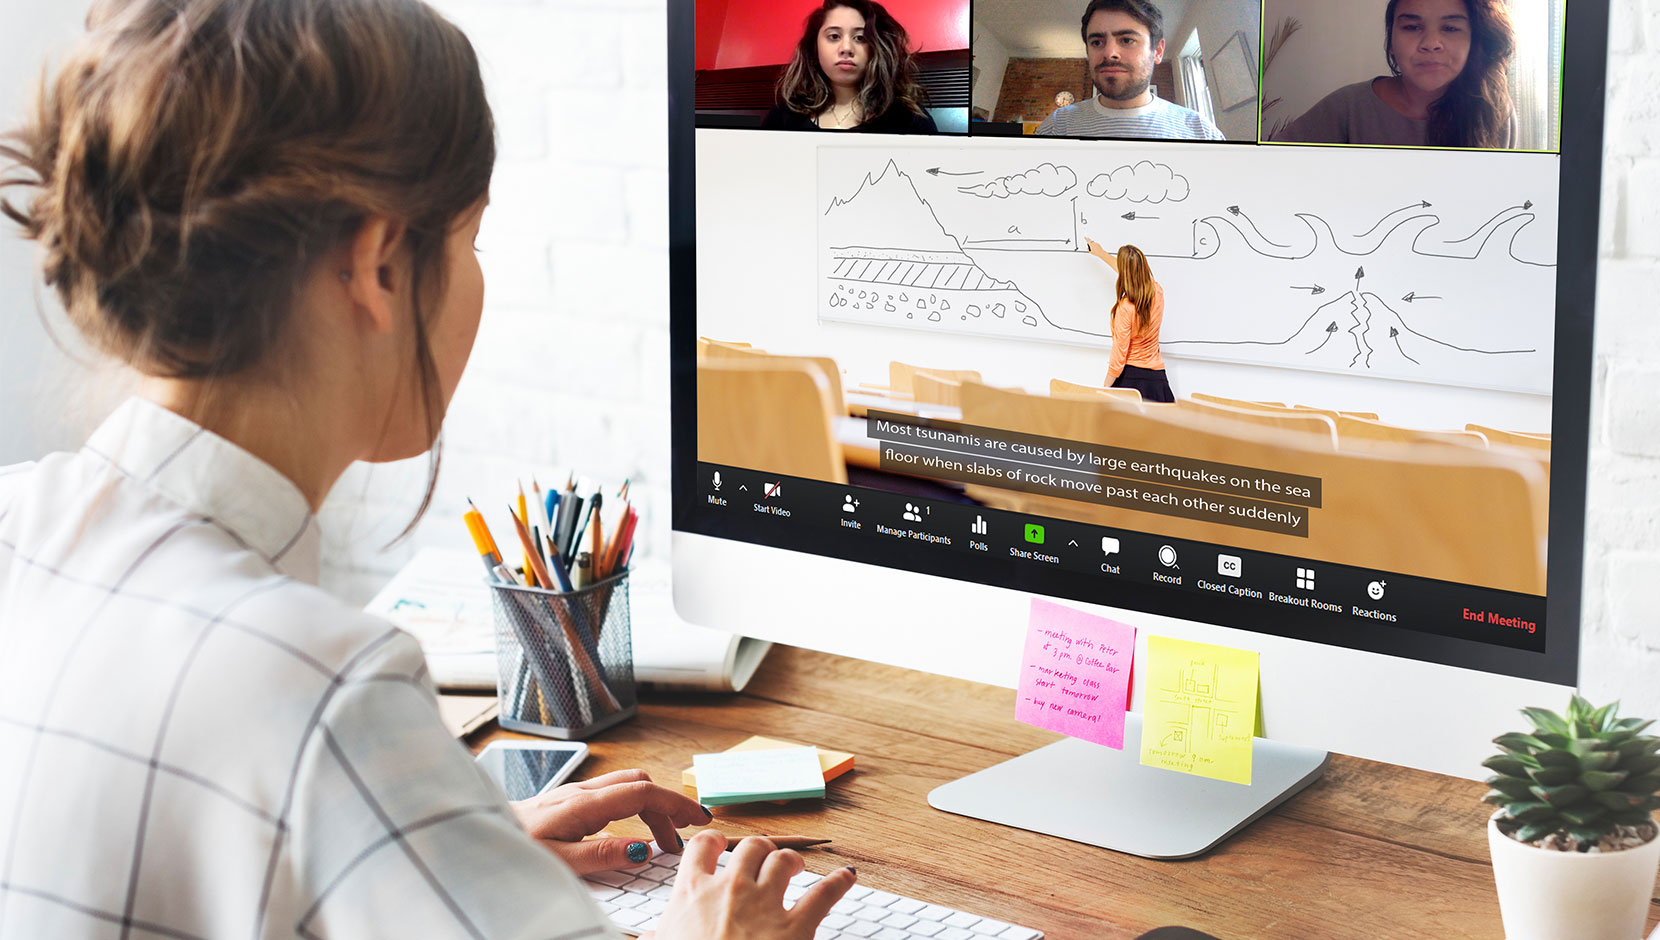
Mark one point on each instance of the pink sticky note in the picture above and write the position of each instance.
(1075, 674)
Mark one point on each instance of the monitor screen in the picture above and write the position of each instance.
(1273, 315)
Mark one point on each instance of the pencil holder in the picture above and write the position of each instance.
(564, 660)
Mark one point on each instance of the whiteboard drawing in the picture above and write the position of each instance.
(1427, 266)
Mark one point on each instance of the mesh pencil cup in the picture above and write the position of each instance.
(564, 660)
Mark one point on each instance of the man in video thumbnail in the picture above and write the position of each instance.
(1124, 39)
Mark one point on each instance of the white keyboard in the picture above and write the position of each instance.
(635, 899)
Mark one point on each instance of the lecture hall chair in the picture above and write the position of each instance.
(768, 415)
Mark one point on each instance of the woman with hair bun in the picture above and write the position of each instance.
(1448, 84)
(852, 70)
(267, 210)
(1135, 319)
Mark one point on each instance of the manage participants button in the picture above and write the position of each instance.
(1500, 620)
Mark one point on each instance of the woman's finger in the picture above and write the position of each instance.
(778, 869)
(701, 855)
(615, 776)
(596, 809)
(593, 855)
(748, 856)
(663, 830)
(813, 905)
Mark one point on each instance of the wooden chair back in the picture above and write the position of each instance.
(768, 415)
(900, 375)
(1527, 439)
(1360, 429)
(1062, 387)
(1322, 430)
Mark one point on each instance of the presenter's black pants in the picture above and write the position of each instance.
(1151, 383)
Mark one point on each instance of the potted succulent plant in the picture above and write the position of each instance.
(1573, 841)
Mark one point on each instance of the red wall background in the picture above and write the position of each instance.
(735, 34)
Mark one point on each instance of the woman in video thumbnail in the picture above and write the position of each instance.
(1448, 86)
(1136, 316)
(852, 70)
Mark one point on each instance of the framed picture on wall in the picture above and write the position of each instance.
(1236, 73)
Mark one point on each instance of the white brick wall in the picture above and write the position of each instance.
(571, 365)
(1620, 644)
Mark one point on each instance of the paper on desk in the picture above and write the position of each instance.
(1075, 674)
(440, 597)
(748, 776)
(1201, 708)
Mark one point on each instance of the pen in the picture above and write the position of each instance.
(568, 536)
(551, 508)
(783, 842)
(588, 522)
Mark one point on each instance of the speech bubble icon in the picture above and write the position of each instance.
(1109, 545)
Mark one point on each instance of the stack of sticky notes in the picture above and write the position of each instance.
(760, 769)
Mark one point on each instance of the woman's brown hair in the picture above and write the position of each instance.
(1474, 109)
(891, 79)
(1135, 283)
(194, 160)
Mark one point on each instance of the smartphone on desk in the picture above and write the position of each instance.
(525, 768)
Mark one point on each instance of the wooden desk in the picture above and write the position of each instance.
(1370, 851)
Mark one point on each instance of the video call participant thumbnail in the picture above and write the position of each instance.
(1123, 40)
(852, 71)
(1448, 84)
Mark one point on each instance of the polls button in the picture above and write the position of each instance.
(1231, 566)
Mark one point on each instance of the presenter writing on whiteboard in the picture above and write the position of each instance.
(1137, 314)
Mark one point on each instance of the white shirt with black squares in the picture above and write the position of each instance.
(197, 742)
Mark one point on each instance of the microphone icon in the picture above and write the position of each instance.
(717, 479)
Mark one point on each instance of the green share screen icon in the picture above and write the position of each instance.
(1034, 534)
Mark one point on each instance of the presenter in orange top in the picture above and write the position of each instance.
(1137, 314)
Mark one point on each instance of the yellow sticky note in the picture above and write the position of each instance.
(1200, 708)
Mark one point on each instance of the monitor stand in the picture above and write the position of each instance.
(1092, 794)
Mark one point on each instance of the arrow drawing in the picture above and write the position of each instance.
(1485, 352)
(1414, 295)
(1526, 205)
(936, 171)
(1395, 335)
(1235, 210)
(1331, 328)
(1316, 289)
(1418, 205)
(1131, 216)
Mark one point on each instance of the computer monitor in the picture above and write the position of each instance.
(890, 354)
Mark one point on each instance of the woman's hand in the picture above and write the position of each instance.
(745, 899)
(1099, 252)
(562, 817)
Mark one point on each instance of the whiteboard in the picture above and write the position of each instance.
(1422, 265)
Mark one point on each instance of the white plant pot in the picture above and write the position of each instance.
(1545, 895)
